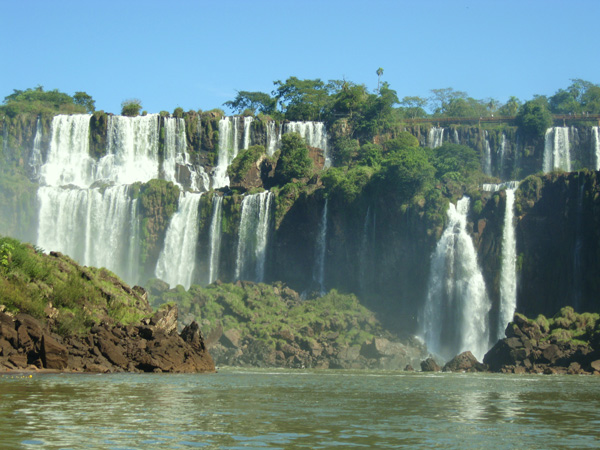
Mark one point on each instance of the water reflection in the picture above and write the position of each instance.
(303, 409)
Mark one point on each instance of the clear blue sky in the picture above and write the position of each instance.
(197, 54)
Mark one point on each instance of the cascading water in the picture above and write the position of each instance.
(35, 159)
(132, 153)
(93, 226)
(435, 137)
(177, 260)
(255, 225)
(320, 252)
(456, 138)
(508, 273)
(366, 245)
(176, 155)
(273, 137)
(215, 238)
(557, 149)
(247, 123)
(596, 144)
(455, 315)
(314, 134)
(502, 152)
(228, 150)
(487, 155)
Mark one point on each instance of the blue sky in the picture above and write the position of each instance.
(197, 54)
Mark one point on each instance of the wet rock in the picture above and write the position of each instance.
(430, 365)
(464, 362)
(53, 354)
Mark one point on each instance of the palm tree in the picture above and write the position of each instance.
(379, 73)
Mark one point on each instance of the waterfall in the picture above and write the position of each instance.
(487, 155)
(508, 273)
(456, 139)
(215, 238)
(69, 160)
(35, 160)
(502, 152)
(596, 143)
(228, 150)
(273, 137)
(247, 123)
(455, 315)
(93, 226)
(176, 155)
(132, 153)
(253, 238)
(435, 137)
(313, 133)
(557, 149)
(177, 260)
(320, 252)
(366, 245)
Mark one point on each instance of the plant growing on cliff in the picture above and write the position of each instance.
(534, 119)
(243, 162)
(293, 161)
(131, 107)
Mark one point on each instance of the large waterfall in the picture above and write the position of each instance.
(177, 260)
(273, 137)
(487, 154)
(255, 225)
(557, 151)
(455, 315)
(502, 152)
(314, 134)
(229, 146)
(176, 156)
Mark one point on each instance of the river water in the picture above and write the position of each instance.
(284, 409)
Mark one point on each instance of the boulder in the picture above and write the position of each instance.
(465, 362)
(231, 338)
(54, 355)
(430, 365)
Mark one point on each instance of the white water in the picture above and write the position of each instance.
(35, 159)
(227, 151)
(215, 238)
(255, 224)
(132, 153)
(435, 137)
(487, 155)
(69, 160)
(455, 315)
(314, 134)
(456, 139)
(176, 155)
(502, 154)
(247, 123)
(273, 137)
(320, 252)
(596, 143)
(557, 149)
(177, 260)
(508, 273)
(96, 227)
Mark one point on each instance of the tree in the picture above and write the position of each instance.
(302, 99)
(293, 161)
(131, 107)
(405, 173)
(85, 100)
(534, 118)
(414, 107)
(510, 108)
(441, 98)
(379, 74)
(455, 158)
(258, 102)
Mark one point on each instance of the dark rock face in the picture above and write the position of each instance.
(430, 365)
(536, 347)
(154, 346)
(465, 362)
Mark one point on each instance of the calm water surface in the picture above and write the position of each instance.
(257, 409)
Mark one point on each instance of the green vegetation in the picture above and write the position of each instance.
(534, 118)
(131, 107)
(55, 289)
(36, 101)
(243, 162)
(265, 312)
(293, 162)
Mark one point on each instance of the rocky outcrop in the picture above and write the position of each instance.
(150, 346)
(465, 362)
(567, 343)
(430, 365)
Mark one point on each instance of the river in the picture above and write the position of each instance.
(285, 409)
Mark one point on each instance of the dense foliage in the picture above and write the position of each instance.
(38, 101)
